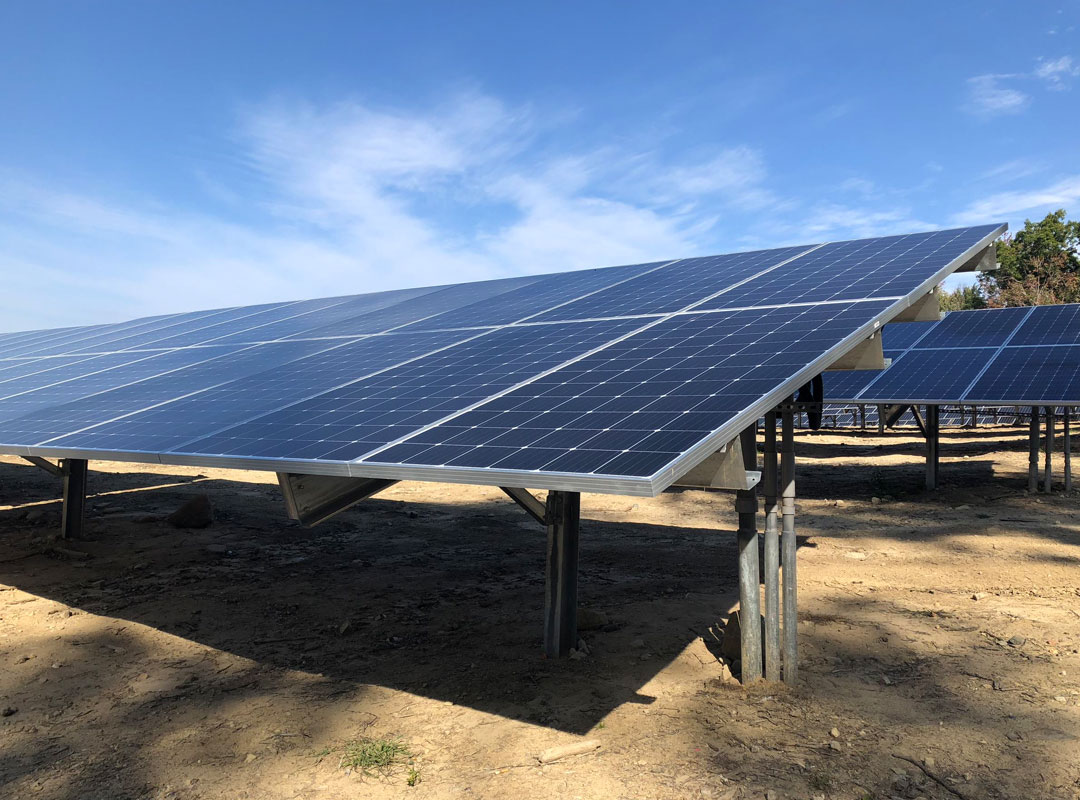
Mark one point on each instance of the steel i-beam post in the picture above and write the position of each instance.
(746, 506)
(560, 596)
(772, 553)
(789, 547)
(75, 473)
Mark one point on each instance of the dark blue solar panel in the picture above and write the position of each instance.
(846, 385)
(974, 328)
(899, 336)
(1049, 325)
(71, 339)
(345, 423)
(635, 406)
(534, 299)
(431, 304)
(891, 266)
(173, 424)
(216, 365)
(1031, 376)
(77, 380)
(673, 287)
(929, 376)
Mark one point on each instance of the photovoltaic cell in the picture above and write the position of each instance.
(531, 300)
(1002, 356)
(633, 407)
(345, 423)
(891, 266)
(1033, 376)
(673, 287)
(171, 425)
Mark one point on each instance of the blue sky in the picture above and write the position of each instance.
(161, 157)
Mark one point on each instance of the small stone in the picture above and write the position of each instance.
(577, 655)
(1013, 736)
(964, 507)
(929, 762)
(1017, 641)
(249, 758)
(834, 746)
(638, 643)
(875, 501)
(8, 711)
(56, 665)
(978, 595)
(217, 549)
(589, 619)
(195, 513)
(839, 504)
(1061, 698)
(835, 733)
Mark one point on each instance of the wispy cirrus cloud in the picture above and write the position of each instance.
(1056, 73)
(997, 94)
(988, 97)
(349, 198)
(1061, 193)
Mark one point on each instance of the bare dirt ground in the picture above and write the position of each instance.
(237, 661)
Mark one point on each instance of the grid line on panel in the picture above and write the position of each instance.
(512, 316)
(544, 374)
(910, 347)
(176, 398)
(292, 402)
(629, 411)
(993, 358)
(125, 332)
(402, 329)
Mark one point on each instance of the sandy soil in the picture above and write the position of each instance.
(237, 661)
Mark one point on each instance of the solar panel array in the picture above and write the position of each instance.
(990, 357)
(616, 379)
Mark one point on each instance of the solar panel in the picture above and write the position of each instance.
(989, 357)
(617, 379)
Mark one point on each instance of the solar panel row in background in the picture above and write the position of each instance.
(617, 374)
(1004, 356)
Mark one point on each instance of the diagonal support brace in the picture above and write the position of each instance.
(533, 507)
(53, 469)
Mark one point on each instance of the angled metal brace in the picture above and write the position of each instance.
(53, 469)
(311, 499)
(533, 507)
(919, 419)
(892, 414)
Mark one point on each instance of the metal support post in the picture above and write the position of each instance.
(933, 442)
(772, 553)
(880, 419)
(560, 596)
(74, 472)
(1068, 450)
(749, 568)
(1033, 450)
(789, 555)
(1048, 467)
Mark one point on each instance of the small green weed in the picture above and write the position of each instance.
(380, 756)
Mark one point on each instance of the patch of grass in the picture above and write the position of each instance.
(413, 776)
(380, 756)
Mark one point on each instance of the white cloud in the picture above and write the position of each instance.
(987, 97)
(351, 198)
(1003, 205)
(1057, 72)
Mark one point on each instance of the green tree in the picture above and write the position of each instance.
(1040, 265)
(961, 298)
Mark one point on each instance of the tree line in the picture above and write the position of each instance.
(1039, 265)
